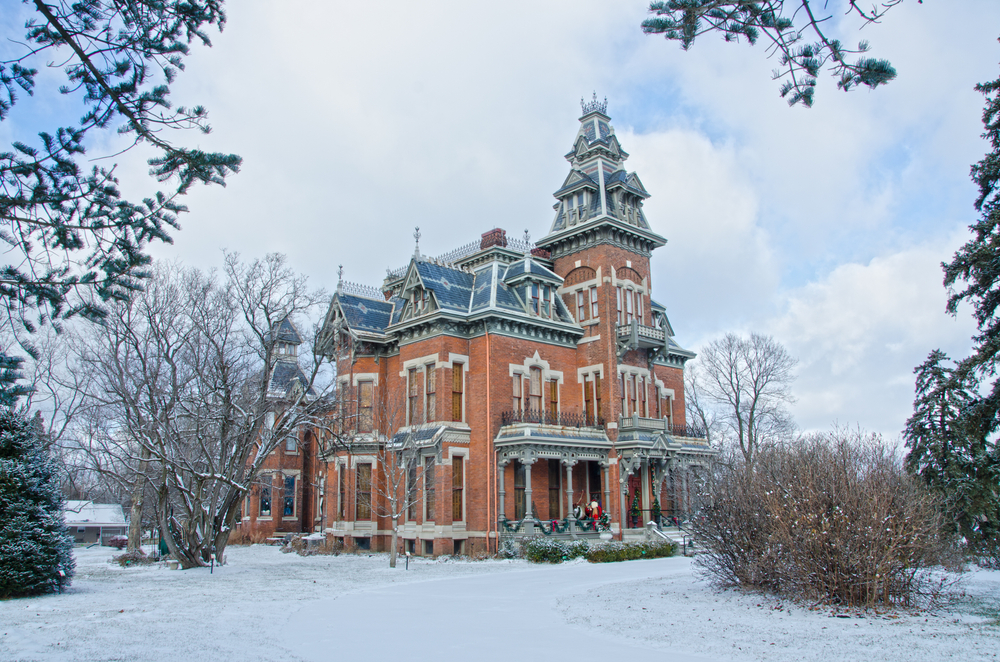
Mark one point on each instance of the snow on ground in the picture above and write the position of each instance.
(265, 605)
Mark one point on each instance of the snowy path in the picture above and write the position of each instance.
(512, 615)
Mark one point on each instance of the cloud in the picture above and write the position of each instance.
(859, 332)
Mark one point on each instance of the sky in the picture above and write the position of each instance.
(824, 227)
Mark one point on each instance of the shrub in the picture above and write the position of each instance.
(546, 550)
(832, 518)
(310, 545)
(118, 542)
(609, 552)
(135, 557)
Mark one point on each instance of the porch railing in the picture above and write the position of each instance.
(566, 419)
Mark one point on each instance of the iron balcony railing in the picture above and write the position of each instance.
(565, 419)
(636, 422)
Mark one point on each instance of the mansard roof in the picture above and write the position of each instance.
(365, 314)
(451, 287)
(286, 375)
(286, 332)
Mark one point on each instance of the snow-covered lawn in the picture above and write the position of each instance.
(265, 605)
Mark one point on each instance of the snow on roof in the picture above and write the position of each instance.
(88, 512)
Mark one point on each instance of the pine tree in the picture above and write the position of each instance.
(968, 413)
(800, 32)
(71, 239)
(35, 549)
(948, 448)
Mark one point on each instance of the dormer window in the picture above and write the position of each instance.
(420, 301)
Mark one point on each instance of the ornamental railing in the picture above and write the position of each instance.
(636, 422)
(648, 333)
(359, 290)
(565, 419)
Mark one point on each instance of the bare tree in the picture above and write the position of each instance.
(196, 386)
(747, 382)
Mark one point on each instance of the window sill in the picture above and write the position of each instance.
(264, 518)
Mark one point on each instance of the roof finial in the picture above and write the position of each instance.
(594, 105)
(527, 239)
(416, 237)
(340, 278)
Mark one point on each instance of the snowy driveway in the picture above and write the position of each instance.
(265, 605)
(504, 616)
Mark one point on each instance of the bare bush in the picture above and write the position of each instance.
(832, 518)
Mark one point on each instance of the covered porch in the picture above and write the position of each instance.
(663, 469)
(549, 478)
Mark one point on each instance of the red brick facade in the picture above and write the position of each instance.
(494, 390)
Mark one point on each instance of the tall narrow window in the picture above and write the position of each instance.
(581, 305)
(554, 484)
(546, 302)
(457, 389)
(366, 398)
(621, 316)
(457, 485)
(265, 500)
(363, 493)
(535, 390)
(536, 293)
(411, 490)
(643, 402)
(411, 397)
(593, 302)
(516, 386)
(629, 294)
(288, 495)
(429, 489)
(553, 396)
(342, 493)
(632, 393)
(597, 398)
(621, 383)
(659, 404)
(291, 443)
(430, 387)
(638, 308)
(588, 400)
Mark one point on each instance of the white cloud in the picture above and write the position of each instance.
(859, 332)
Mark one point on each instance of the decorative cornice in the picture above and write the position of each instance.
(604, 230)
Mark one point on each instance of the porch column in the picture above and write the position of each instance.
(607, 487)
(528, 510)
(529, 515)
(570, 519)
(501, 469)
(684, 488)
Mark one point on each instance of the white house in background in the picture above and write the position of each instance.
(90, 522)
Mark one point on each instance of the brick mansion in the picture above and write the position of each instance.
(503, 389)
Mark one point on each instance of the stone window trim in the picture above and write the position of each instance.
(547, 376)
(421, 362)
(464, 454)
(463, 360)
(364, 377)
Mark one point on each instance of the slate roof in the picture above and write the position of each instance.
(286, 332)
(528, 267)
(285, 373)
(365, 314)
(452, 287)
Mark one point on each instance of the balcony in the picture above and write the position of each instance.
(562, 419)
(636, 422)
(639, 336)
